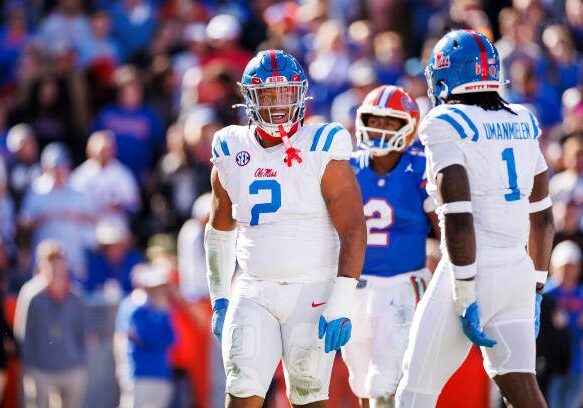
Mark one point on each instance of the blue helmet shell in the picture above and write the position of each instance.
(463, 61)
(273, 69)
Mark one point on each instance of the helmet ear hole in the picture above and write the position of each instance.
(456, 45)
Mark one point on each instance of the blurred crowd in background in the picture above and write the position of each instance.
(107, 111)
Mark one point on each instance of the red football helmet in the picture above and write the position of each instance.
(387, 101)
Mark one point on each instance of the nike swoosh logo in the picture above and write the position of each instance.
(318, 304)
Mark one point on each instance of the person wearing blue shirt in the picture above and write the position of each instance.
(390, 169)
(565, 389)
(150, 336)
(138, 130)
(112, 261)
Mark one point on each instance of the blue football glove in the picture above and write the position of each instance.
(471, 326)
(337, 332)
(219, 311)
(539, 299)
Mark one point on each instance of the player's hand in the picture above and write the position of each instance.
(219, 311)
(337, 332)
(471, 327)
(537, 303)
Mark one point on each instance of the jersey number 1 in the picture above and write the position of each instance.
(508, 157)
(272, 206)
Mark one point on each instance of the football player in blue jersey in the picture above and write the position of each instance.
(489, 177)
(391, 174)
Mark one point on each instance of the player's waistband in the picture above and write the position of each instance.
(387, 281)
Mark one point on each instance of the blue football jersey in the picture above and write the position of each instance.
(396, 221)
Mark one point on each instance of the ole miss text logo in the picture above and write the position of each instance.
(441, 61)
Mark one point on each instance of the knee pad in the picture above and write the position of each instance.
(308, 376)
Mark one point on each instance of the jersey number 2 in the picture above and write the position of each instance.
(379, 215)
(272, 206)
(508, 157)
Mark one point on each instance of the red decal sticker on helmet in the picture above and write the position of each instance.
(273, 58)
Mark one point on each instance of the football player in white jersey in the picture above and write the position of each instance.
(487, 172)
(286, 209)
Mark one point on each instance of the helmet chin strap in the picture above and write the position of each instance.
(291, 153)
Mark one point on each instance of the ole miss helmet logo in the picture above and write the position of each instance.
(441, 61)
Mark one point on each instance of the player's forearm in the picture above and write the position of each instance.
(540, 238)
(352, 249)
(460, 238)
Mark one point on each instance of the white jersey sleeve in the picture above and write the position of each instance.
(331, 142)
(221, 154)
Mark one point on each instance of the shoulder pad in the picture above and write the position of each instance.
(332, 138)
(447, 123)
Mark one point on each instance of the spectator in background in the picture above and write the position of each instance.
(109, 184)
(23, 167)
(100, 46)
(363, 79)
(565, 389)
(163, 92)
(67, 25)
(574, 17)
(389, 56)
(13, 36)
(53, 348)
(134, 24)
(150, 336)
(528, 89)
(568, 184)
(7, 217)
(328, 65)
(194, 37)
(139, 133)
(223, 32)
(563, 66)
(110, 264)
(52, 209)
(47, 108)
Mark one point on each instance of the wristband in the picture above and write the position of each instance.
(540, 205)
(340, 300)
(464, 272)
(456, 207)
(541, 276)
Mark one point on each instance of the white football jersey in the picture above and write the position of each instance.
(284, 231)
(501, 154)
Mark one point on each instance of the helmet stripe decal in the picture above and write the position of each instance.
(389, 98)
(483, 55)
(386, 95)
(273, 59)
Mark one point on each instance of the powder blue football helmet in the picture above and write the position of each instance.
(463, 61)
(274, 87)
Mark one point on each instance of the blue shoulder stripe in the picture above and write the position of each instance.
(317, 137)
(215, 153)
(534, 125)
(453, 123)
(224, 146)
(468, 121)
(330, 137)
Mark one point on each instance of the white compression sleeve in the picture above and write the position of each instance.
(220, 261)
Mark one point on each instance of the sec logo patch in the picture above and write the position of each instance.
(242, 158)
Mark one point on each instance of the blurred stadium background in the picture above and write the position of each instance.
(107, 110)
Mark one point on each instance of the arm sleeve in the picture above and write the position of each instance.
(442, 155)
